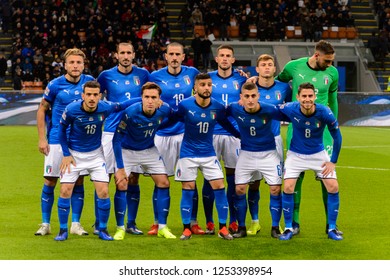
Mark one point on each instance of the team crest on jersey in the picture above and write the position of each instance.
(187, 80)
(101, 118)
(49, 169)
(159, 121)
(122, 125)
(264, 121)
(278, 95)
(136, 80)
(236, 85)
(318, 123)
(326, 80)
(213, 115)
(178, 172)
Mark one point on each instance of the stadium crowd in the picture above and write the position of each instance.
(43, 30)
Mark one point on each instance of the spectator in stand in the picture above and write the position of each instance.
(3, 67)
(184, 19)
(206, 51)
(307, 29)
(17, 79)
(197, 16)
(244, 28)
(196, 45)
(373, 44)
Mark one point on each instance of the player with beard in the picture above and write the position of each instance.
(200, 113)
(120, 83)
(319, 71)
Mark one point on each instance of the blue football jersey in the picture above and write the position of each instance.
(226, 91)
(276, 94)
(137, 129)
(199, 127)
(255, 128)
(308, 130)
(86, 128)
(59, 93)
(175, 88)
(119, 87)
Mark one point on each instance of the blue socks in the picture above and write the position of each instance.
(47, 200)
(195, 204)
(275, 207)
(208, 201)
(333, 209)
(163, 204)
(253, 203)
(288, 208)
(120, 204)
(186, 205)
(63, 212)
(241, 208)
(77, 202)
(104, 206)
(154, 202)
(230, 194)
(133, 197)
(221, 205)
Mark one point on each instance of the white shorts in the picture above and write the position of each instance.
(227, 148)
(169, 149)
(149, 160)
(53, 162)
(279, 147)
(252, 166)
(187, 169)
(110, 156)
(93, 162)
(296, 163)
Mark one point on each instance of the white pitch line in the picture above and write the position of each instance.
(363, 168)
(365, 147)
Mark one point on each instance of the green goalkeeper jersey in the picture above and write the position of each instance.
(325, 83)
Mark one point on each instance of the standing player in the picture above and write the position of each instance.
(307, 152)
(226, 89)
(134, 145)
(176, 82)
(258, 155)
(120, 83)
(274, 92)
(83, 152)
(58, 94)
(319, 71)
(200, 113)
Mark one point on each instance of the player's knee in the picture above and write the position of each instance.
(275, 190)
(240, 189)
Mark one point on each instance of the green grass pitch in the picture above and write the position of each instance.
(364, 177)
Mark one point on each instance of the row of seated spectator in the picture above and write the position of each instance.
(43, 30)
(267, 20)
